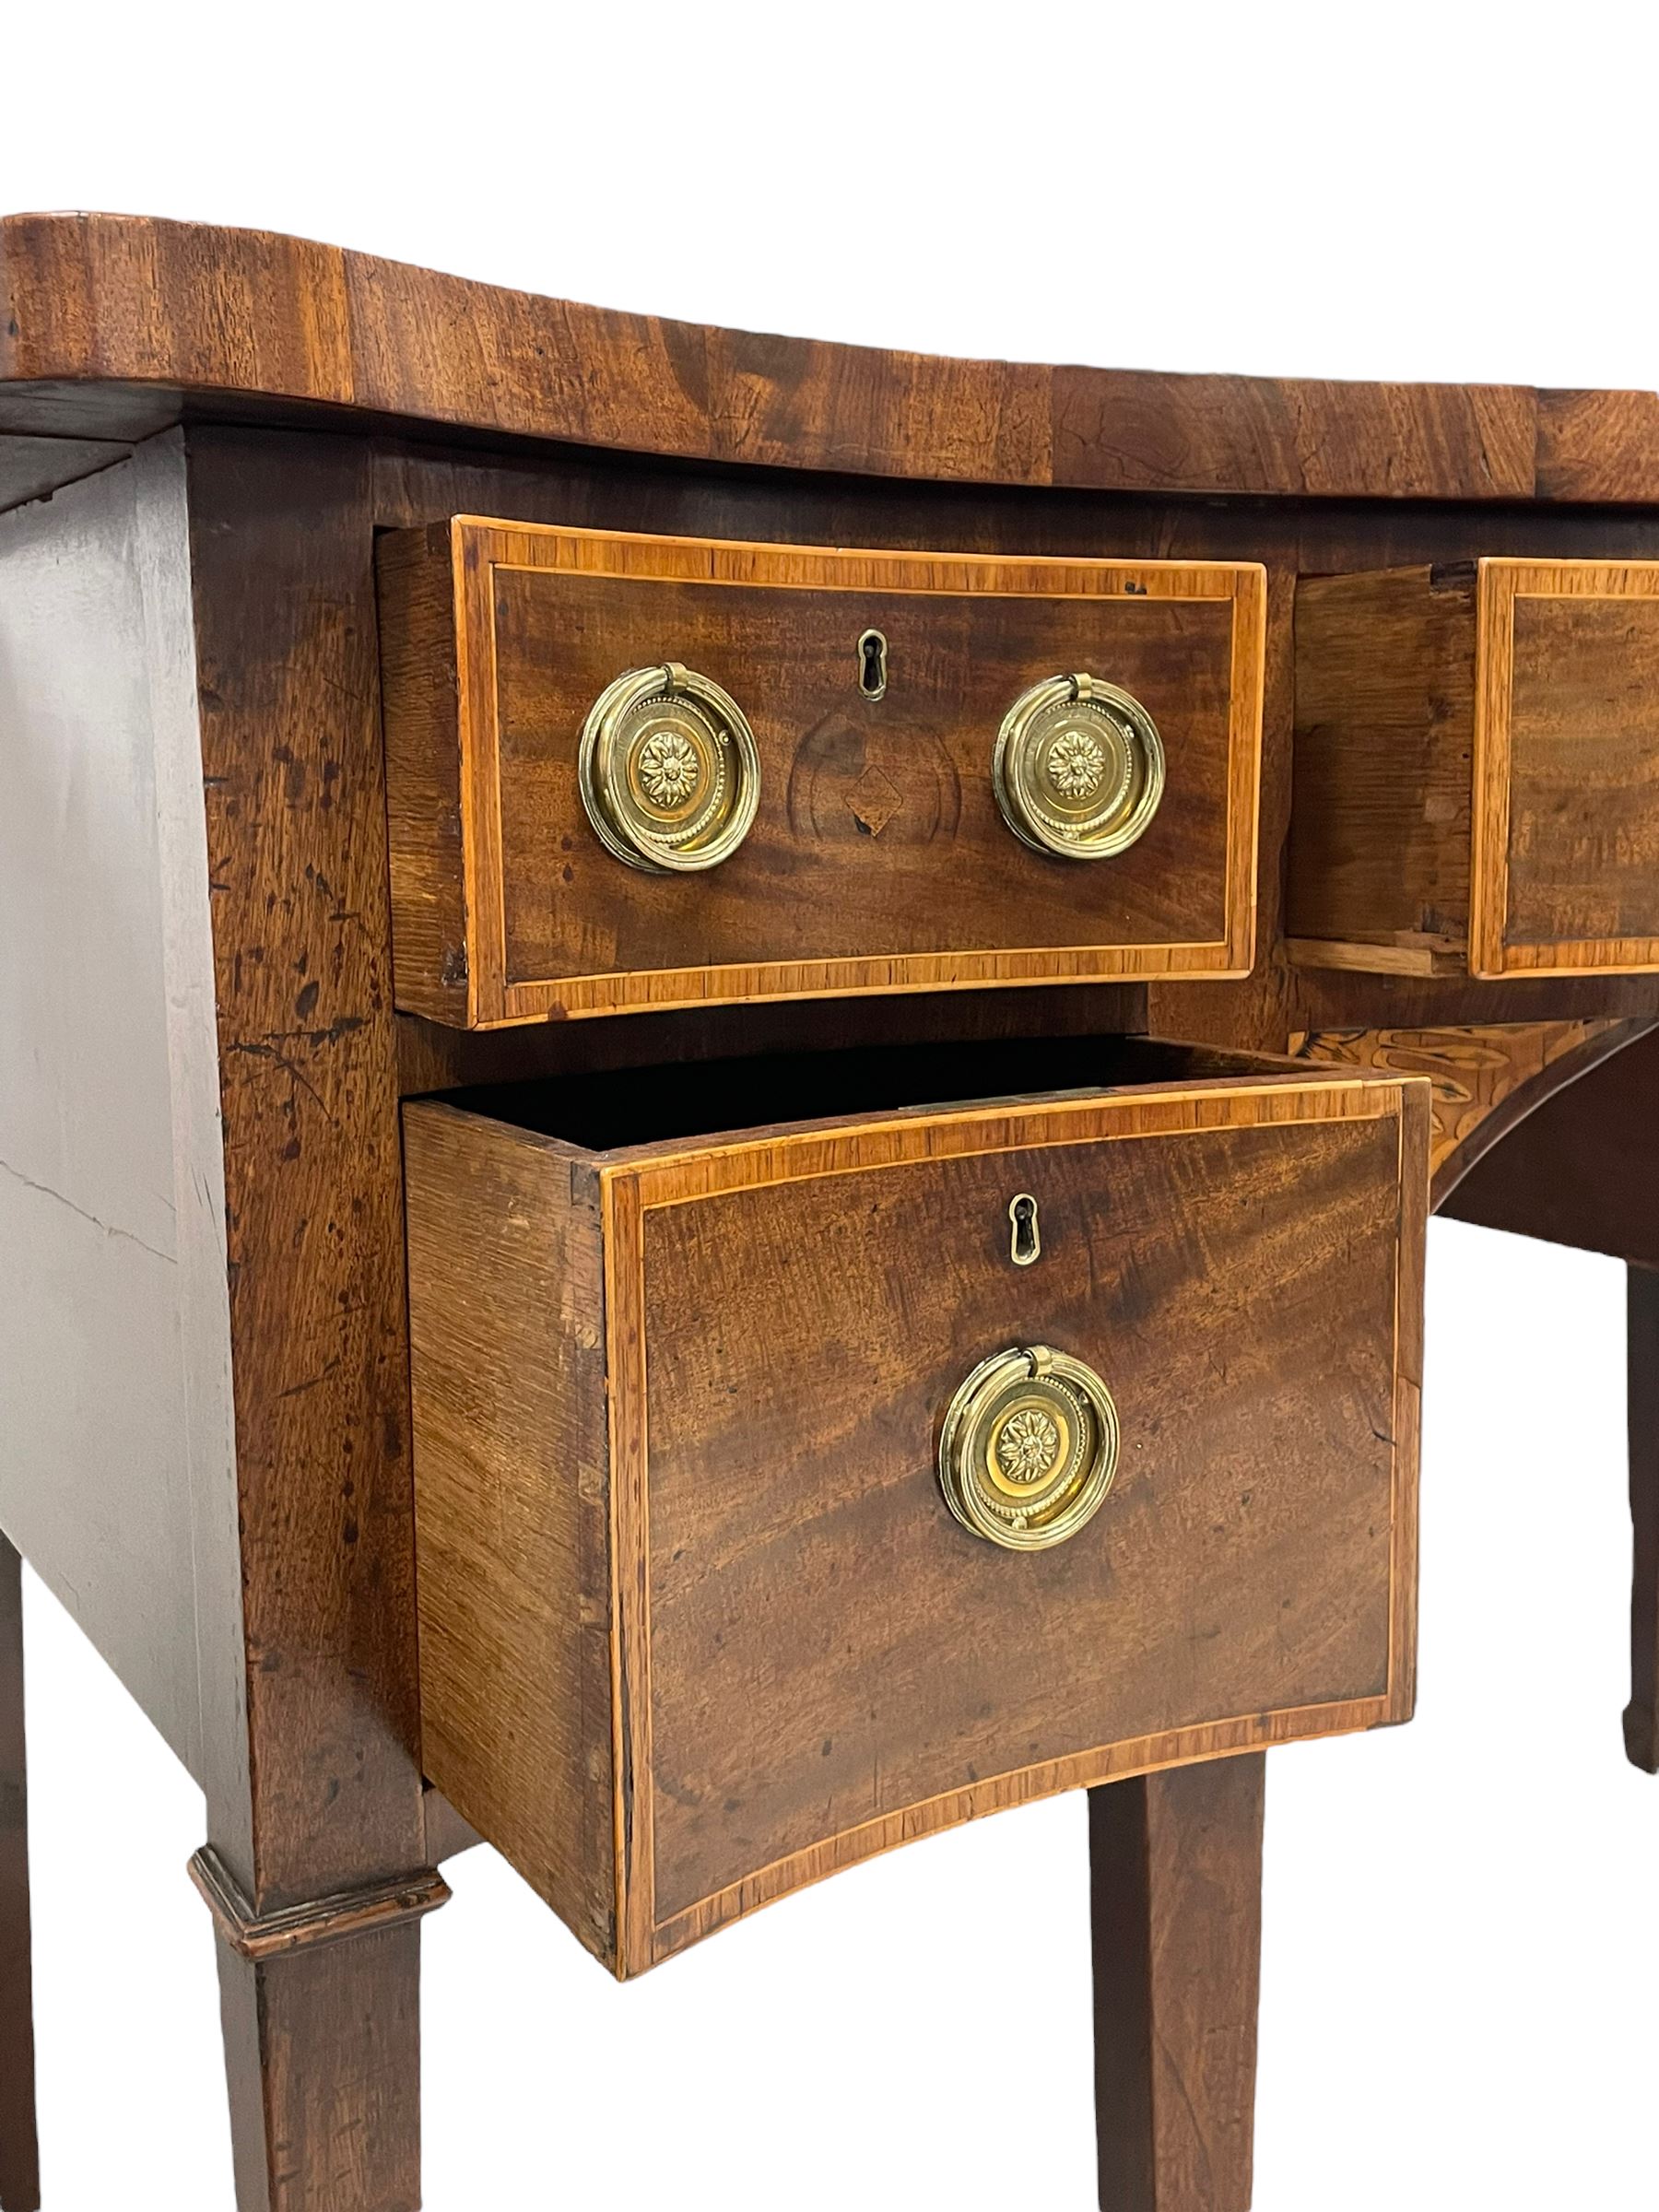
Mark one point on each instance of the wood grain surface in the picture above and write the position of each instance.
(878, 858)
(790, 1432)
(1477, 769)
(1380, 834)
(114, 327)
(291, 757)
(322, 2050)
(506, 1306)
(786, 1314)
(113, 324)
(312, 1773)
(1566, 824)
(417, 484)
(1484, 1077)
(1175, 1892)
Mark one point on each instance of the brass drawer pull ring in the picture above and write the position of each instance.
(1078, 768)
(1028, 1447)
(669, 770)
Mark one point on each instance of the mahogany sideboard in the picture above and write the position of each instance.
(725, 1059)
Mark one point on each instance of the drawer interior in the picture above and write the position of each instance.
(606, 1111)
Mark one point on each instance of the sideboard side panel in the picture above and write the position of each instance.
(115, 1438)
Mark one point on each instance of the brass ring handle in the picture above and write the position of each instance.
(1078, 768)
(1029, 1449)
(669, 770)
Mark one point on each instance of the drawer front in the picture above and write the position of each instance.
(875, 685)
(1566, 864)
(828, 1662)
(711, 1602)
(1476, 769)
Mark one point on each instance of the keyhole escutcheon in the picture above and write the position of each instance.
(1026, 1243)
(873, 664)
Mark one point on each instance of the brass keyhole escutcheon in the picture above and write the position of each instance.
(1078, 768)
(1026, 1244)
(873, 664)
(669, 770)
(1028, 1447)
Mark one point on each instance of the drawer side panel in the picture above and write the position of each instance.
(1380, 826)
(513, 1560)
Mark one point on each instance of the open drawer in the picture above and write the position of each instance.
(1476, 785)
(787, 1488)
(631, 771)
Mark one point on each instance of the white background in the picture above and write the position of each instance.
(1462, 1939)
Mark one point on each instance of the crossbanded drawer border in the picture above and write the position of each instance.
(482, 546)
(676, 1173)
(1501, 582)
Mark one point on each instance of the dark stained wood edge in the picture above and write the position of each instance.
(1528, 1096)
(1641, 1714)
(234, 317)
(1411, 1259)
(447, 1834)
(1578, 1168)
(432, 1056)
(34, 468)
(1175, 1894)
(298, 1927)
(20, 2146)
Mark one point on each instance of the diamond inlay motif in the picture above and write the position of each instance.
(873, 800)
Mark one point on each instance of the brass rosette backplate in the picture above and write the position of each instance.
(1078, 768)
(669, 770)
(1028, 1447)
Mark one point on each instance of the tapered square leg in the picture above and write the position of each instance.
(1176, 1881)
(19, 2153)
(320, 2006)
(1641, 1714)
(323, 2052)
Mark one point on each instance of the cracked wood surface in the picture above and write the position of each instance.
(318, 1793)
(287, 654)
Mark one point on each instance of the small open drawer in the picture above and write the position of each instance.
(632, 771)
(1478, 770)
